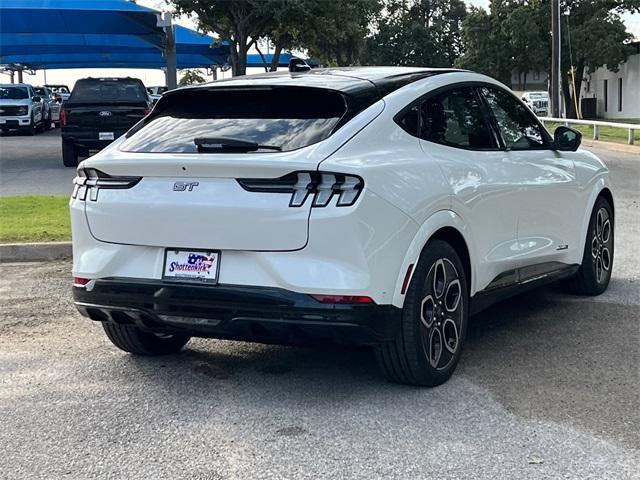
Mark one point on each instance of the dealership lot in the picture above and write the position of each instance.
(547, 386)
(33, 165)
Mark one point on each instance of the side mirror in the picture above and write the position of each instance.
(567, 139)
(37, 98)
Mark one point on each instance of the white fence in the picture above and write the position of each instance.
(596, 124)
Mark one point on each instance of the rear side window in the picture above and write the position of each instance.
(284, 117)
(108, 91)
(455, 118)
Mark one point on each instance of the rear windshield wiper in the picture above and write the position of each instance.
(216, 144)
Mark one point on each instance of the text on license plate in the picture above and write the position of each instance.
(191, 265)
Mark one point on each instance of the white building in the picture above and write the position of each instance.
(617, 94)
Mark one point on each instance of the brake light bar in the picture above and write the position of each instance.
(322, 185)
(89, 181)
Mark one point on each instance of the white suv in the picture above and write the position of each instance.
(378, 206)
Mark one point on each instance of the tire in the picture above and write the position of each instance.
(69, 154)
(47, 123)
(140, 342)
(434, 321)
(31, 129)
(41, 127)
(594, 273)
(56, 124)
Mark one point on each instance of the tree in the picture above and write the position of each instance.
(191, 77)
(335, 30)
(240, 22)
(526, 28)
(330, 30)
(593, 36)
(513, 36)
(416, 33)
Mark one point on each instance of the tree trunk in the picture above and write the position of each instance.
(524, 81)
(239, 53)
(566, 93)
(233, 55)
(275, 60)
(264, 59)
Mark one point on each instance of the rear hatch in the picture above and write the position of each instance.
(217, 169)
(107, 106)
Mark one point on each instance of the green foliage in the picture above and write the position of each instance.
(332, 31)
(34, 218)
(514, 35)
(191, 77)
(416, 33)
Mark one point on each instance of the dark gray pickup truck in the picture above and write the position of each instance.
(99, 111)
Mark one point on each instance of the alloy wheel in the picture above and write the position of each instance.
(441, 314)
(601, 245)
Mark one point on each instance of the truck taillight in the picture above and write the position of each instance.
(90, 181)
(63, 117)
(322, 185)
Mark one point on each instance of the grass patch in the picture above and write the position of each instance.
(607, 134)
(34, 218)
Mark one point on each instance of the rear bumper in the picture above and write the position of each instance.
(89, 138)
(259, 314)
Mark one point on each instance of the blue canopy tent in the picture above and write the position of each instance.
(42, 50)
(28, 24)
(50, 34)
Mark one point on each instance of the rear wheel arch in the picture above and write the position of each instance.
(443, 225)
(454, 238)
(608, 196)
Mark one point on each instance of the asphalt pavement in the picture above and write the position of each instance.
(33, 165)
(547, 387)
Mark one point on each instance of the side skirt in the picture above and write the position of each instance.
(520, 280)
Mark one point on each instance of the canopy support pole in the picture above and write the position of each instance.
(171, 73)
(19, 75)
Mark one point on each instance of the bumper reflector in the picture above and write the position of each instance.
(407, 277)
(80, 282)
(351, 299)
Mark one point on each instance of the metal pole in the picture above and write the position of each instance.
(171, 74)
(20, 75)
(170, 52)
(555, 58)
(45, 76)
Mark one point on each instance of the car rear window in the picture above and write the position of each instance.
(284, 117)
(108, 91)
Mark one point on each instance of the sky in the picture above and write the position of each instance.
(156, 77)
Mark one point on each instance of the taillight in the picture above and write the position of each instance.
(343, 299)
(89, 181)
(63, 117)
(322, 185)
(146, 111)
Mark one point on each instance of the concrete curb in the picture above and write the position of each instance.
(33, 252)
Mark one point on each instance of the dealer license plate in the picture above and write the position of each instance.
(191, 265)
